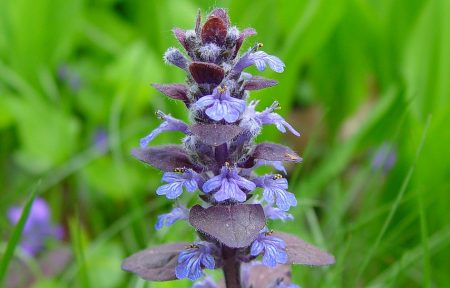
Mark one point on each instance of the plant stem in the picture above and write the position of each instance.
(231, 268)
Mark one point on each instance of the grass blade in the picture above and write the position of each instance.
(395, 204)
(15, 237)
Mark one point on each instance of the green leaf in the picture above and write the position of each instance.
(47, 134)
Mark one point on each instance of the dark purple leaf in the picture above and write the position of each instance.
(204, 72)
(173, 90)
(215, 134)
(165, 158)
(236, 226)
(275, 152)
(222, 14)
(257, 83)
(214, 31)
(180, 34)
(262, 276)
(155, 264)
(300, 252)
(242, 36)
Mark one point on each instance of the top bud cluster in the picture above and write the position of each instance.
(218, 155)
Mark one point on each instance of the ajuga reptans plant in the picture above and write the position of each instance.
(216, 160)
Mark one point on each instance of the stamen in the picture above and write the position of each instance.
(191, 246)
(222, 89)
(256, 47)
(179, 170)
(160, 114)
(275, 105)
(277, 176)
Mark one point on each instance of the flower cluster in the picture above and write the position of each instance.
(218, 156)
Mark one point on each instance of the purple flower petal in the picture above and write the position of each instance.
(278, 165)
(273, 249)
(220, 105)
(171, 190)
(169, 124)
(176, 180)
(212, 184)
(280, 123)
(177, 213)
(205, 101)
(277, 214)
(274, 187)
(190, 261)
(207, 282)
(254, 120)
(260, 59)
(229, 185)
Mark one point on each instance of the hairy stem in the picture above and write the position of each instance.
(231, 268)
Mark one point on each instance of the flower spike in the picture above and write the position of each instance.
(218, 160)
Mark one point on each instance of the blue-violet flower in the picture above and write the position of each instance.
(229, 185)
(169, 124)
(220, 105)
(176, 180)
(278, 165)
(272, 248)
(167, 219)
(274, 187)
(275, 213)
(254, 120)
(194, 259)
(207, 282)
(260, 59)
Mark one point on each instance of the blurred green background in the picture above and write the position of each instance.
(75, 98)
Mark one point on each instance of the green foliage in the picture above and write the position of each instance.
(359, 73)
